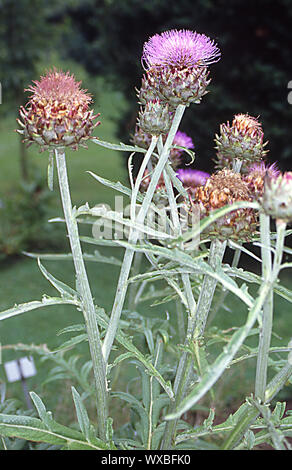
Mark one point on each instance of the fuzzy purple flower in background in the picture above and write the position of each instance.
(180, 49)
(192, 178)
(181, 139)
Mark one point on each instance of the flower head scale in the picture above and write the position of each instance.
(180, 49)
(155, 118)
(277, 197)
(243, 139)
(57, 113)
(59, 86)
(221, 189)
(257, 174)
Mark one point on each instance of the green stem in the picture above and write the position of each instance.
(267, 320)
(134, 235)
(135, 285)
(140, 175)
(217, 250)
(224, 292)
(278, 381)
(89, 313)
(196, 322)
(185, 364)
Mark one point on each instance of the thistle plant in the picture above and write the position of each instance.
(179, 223)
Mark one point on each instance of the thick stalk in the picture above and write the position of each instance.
(134, 235)
(224, 292)
(279, 380)
(217, 250)
(185, 364)
(88, 307)
(196, 323)
(267, 320)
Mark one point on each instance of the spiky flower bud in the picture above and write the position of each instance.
(242, 140)
(57, 113)
(256, 176)
(176, 86)
(155, 118)
(176, 66)
(224, 188)
(277, 197)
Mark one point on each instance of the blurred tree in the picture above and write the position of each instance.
(252, 76)
(23, 39)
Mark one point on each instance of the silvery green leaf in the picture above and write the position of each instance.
(33, 429)
(96, 257)
(82, 416)
(103, 212)
(72, 328)
(116, 186)
(45, 416)
(71, 342)
(176, 181)
(65, 291)
(28, 306)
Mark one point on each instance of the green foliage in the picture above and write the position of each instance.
(24, 213)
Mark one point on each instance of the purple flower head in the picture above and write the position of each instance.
(261, 170)
(192, 178)
(181, 139)
(180, 49)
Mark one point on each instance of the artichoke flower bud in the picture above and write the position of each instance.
(176, 86)
(221, 189)
(141, 138)
(242, 140)
(277, 197)
(155, 118)
(256, 175)
(57, 113)
(147, 91)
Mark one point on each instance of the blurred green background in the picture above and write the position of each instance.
(101, 42)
